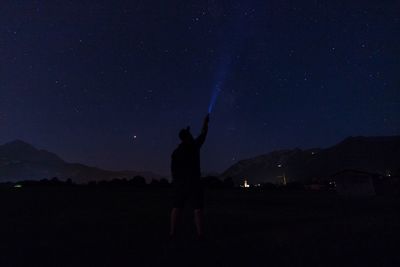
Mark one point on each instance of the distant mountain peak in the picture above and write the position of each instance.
(19, 143)
(20, 160)
(21, 150)
(374, 154)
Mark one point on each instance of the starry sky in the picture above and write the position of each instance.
(83, 78)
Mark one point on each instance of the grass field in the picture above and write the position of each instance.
(80, 226)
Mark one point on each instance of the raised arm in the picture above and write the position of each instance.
(202, 137)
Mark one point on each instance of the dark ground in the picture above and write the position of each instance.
(128, 227)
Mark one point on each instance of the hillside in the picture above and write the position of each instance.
(370, 154)
(22, 161)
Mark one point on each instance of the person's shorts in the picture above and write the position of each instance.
(192, 194)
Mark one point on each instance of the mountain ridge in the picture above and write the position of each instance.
(20, 160)
(377, 154)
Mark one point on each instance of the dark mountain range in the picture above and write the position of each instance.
(371, 154)
(22, 161)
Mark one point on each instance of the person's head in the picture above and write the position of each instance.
(185, 135)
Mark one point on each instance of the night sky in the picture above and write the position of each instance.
(82, 78)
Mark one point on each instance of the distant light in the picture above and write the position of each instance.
(279, 165)
(17, 186)
(246, 185)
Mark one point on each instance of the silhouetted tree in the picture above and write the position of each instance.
(54, 181)
(164, 182)
(138, 181)
(102, 183)
(118, 182)
(294, 186)
(44, 182)
(92, 183)
(268, 186)
(212, 182)
(29, 183)
(8, 184)
(155, 183)
(228, 182)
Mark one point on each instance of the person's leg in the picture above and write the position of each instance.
(198, 206)
(199, 221)
(178, 203)
(175, 216)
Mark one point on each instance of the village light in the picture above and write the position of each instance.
(245, 184)
(284, 181)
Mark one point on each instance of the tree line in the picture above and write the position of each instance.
(135, 182)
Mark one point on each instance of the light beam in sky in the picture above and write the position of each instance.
(214, 96)
(220, 80)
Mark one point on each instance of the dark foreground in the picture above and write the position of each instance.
(128, 227)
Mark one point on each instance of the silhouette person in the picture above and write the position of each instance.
(185, 169)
